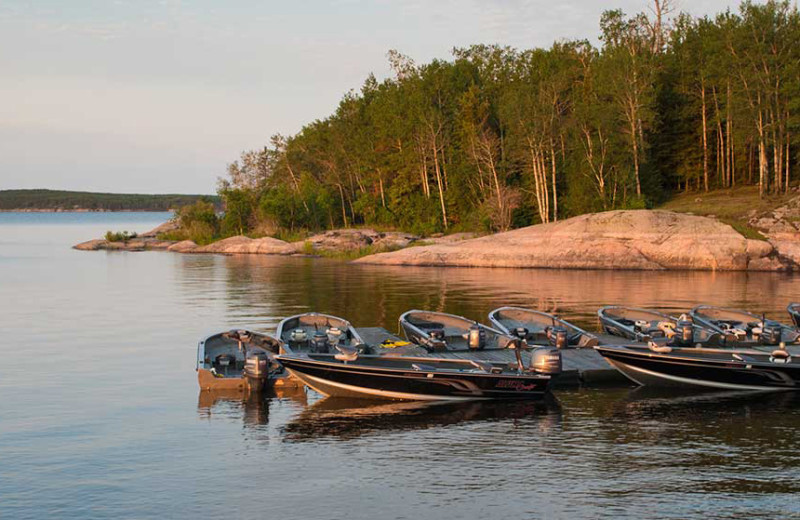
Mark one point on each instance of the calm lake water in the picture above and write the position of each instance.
(101, 417)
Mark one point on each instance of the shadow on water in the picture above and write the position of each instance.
(350, 418)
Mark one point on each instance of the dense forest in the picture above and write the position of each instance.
(498, 137)
(71, 200)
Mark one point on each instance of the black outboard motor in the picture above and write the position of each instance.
(557, 337)
(476, 337)
(319, 343)
(771, 333)
(684, 334)
(546, 360)
(256, 369)
(521, 332)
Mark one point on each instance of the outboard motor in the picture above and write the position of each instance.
(521, 332)
(476, 337)
(546, 360)
(256, 369)
(771, 334)
(557, 337)
(298, 339)
(684, 334)
(319, 343)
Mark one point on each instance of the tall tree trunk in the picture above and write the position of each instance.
(435, 151)
(705, 133)
(555, 186)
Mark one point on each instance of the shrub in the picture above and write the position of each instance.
(119, 236)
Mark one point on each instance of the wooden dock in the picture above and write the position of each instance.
(582, 366)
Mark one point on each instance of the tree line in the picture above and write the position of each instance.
(496, 137)
(83, 200)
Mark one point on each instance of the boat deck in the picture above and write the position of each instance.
(582, 366)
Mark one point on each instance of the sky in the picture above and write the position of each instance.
(148, 96)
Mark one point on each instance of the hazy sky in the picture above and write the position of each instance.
(158, 96)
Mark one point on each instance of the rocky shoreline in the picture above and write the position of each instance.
(622, 239)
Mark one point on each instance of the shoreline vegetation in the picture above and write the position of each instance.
(695, 115)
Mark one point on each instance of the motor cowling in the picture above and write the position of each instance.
(521, 332)
(546, 360)
(256, 369)
(557, 337)
(335, 336)
(319, 343)
(476, 337)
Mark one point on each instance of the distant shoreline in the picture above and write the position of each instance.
(84, 210)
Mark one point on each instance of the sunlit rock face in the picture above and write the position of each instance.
(622, 239)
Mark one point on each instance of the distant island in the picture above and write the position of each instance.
(57, 200)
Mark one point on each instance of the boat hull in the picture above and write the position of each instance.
(354, 380)
(673, 370)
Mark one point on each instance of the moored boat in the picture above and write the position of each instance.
(722, 369)
(540, 328)
(313, 332)
(349, 374)
(794, 312)
(237, 360)
(441, 332)
(649, 325)
(744, 328)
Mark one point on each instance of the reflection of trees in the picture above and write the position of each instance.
(251, 408)
(263, 289)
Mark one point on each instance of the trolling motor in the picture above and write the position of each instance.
(476, 337)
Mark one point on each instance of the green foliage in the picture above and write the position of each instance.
(197, 222)
(498, 137)
(71, 200)
(119, 236)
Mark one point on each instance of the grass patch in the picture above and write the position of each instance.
(119, 236)
(744, 229)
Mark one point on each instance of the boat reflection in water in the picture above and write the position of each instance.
(345, 418)
(251, 407)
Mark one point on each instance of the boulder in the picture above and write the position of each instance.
(166, 227)
(244, 245)
(623, 239)
(134, 244)
(184, 246)
(91, 245)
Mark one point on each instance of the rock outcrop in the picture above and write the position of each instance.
(140, 243)
(782, 228)
(641, 239)
(244, 245)
(355, 239)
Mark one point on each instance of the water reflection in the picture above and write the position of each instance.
(252, 408)
(350, 418)
(264, 289)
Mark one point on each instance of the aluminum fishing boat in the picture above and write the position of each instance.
(744, 328)
(441, 332)
(794, 312)
(731, 369)
(312, 332)
(350, 374)
(646, 325)
(538, 327)
(237, 360)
